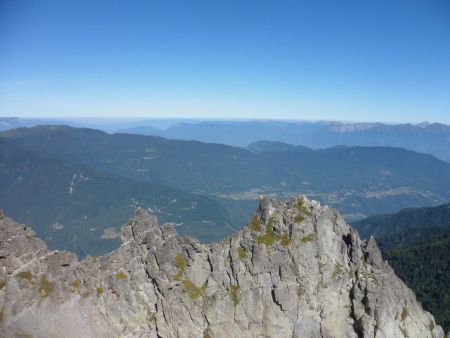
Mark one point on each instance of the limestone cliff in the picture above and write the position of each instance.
(296, 270)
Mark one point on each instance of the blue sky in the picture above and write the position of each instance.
(341, 60)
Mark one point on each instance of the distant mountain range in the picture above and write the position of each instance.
(7, 123)
(416, 242)
(359, 181)
(424, 137)
(275, 146)
(78, 208)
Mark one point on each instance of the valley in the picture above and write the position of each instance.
(359, 181)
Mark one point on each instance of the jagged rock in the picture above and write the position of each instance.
(297, 270)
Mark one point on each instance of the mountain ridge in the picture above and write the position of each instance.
(296, 270)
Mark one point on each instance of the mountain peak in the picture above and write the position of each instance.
(296, 270)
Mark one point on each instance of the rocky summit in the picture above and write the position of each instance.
(296, 270)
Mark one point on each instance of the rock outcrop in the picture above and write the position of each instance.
(296, 270)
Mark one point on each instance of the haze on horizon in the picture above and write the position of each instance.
(355, 61)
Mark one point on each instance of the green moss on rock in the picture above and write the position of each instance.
(299, 219)
(193, 290)
(268, 238)
(120, 275)
(45, 287)
(99, 291)
(180, 263)
(25, 275)
(307, 238)
(255, 224)
(285, 240)
(337, 270)
(207, 333)
(404, 314)
(242, 253)
(301, 207)
(234, 289)
(350, 273)
(151, 317)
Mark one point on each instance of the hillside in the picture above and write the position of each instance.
(77, 208)
(407, 220)
(360, 181)
(425, 267)
(296, 270)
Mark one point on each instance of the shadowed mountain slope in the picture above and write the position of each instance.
(405, 220)
(416, 241)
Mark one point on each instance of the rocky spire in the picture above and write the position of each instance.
(296, 270)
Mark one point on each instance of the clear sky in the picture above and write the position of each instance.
(378, 60)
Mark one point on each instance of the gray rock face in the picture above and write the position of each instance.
(296, 270)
